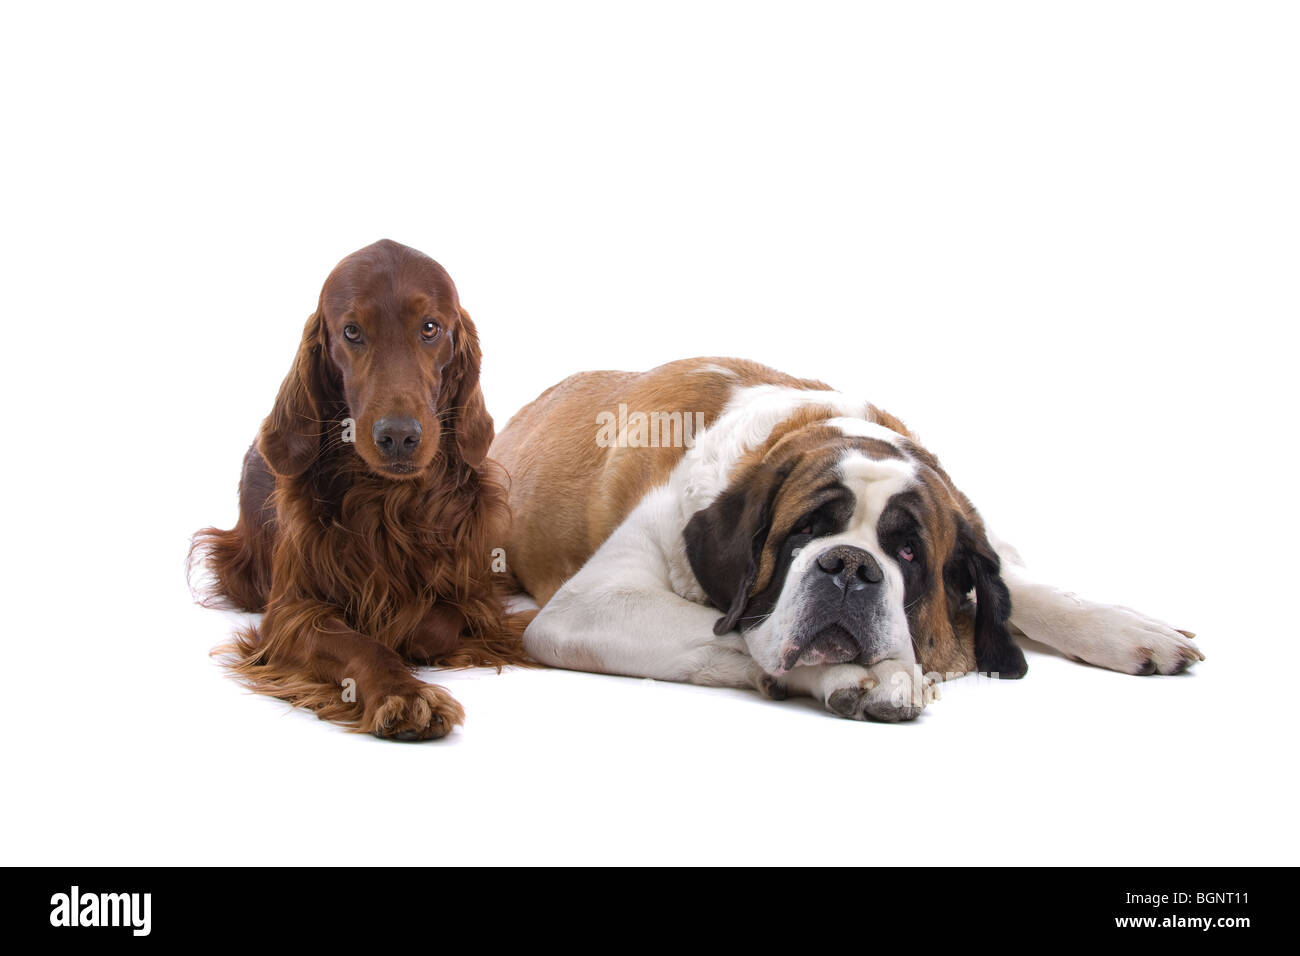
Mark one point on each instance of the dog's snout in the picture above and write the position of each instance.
(852, 569)
(846, 612)
(397, 437)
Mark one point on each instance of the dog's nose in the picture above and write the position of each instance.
(397, 437)
(852, 569)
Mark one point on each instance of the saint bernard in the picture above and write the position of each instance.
(800, 542)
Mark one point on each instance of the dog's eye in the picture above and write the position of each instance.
(906, 553)
(430, 331)
(352, 333)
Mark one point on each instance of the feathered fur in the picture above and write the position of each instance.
(362, 575)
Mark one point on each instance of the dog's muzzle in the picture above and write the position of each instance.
(844, 602)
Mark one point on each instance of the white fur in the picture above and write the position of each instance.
(861, 428)
(619, 613)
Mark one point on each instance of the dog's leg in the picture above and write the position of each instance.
(1107, 635)
(438, 635)
(308, 655)
(638, 630)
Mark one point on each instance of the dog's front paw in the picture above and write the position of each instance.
(891, 691)
(1125, 640)
(770, 687)
(422, 712)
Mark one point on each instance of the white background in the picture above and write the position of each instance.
(1060, 240)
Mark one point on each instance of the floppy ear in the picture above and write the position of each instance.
(291, 435)
(724, 542)
(976, 565)
(468, 418)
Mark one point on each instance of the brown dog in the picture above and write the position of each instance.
(367, 505)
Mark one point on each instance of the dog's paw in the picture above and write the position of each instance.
(424, 712)
(1125, 640)
(770, 687)
(890, 692)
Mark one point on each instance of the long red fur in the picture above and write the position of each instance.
(359, 574)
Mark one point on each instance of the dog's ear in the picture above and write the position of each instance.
(291, 436)
(467, 414)
(975, 564)
(724, 542)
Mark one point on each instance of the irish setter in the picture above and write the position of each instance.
(367, 506)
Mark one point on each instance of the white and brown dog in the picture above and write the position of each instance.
(744, 528)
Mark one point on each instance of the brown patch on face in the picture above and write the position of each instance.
(957, 657)
(811, 451)
(951, 633)
(934, 618)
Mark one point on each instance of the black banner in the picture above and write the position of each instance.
(137, 906)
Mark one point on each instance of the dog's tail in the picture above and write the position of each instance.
(238, 562)
(237, 566)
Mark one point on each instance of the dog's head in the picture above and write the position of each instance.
(845, 541)
(390, 348)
